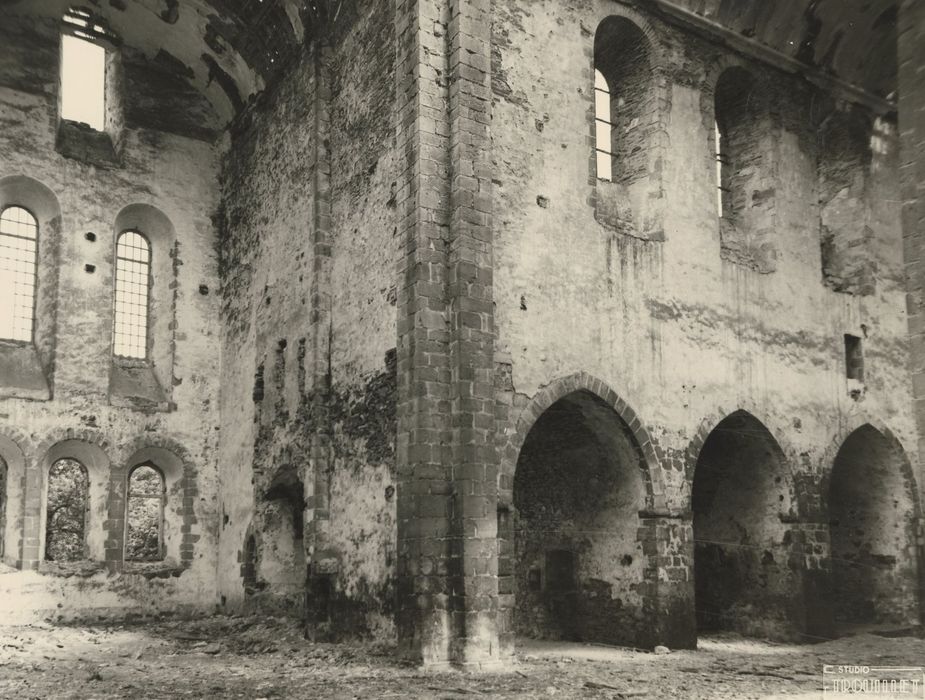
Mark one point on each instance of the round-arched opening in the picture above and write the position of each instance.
(280, 568)
(578, 489)
(144, 517)
(872, 520)
(624, 100)
(66, 510)
(739, 147)
(743, 580)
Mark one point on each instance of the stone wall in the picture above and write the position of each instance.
(681, 329)
(309, 259)
(72, 406)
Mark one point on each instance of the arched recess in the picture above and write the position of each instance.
(150, 380)
(745, 575)
(95, 462)
(843, 170)
(874, 512)
(13, 464)
(280, 561)
(629, 114)
(570, 551)
(27, 370)
(742, 143)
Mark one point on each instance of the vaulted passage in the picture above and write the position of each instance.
(578, 489)
(745, 579)
(872, 524)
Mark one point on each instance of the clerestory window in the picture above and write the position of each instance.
(18, 251)
(133, 284)
(83, 70)
(603, 127)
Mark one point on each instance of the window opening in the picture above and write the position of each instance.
(66, 511)
(722, 163)
(854, 358)
(18, 247)
(603, 127)
(133, 280)
(145, 517)
(83, 81)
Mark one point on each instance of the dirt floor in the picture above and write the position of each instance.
(249, 657)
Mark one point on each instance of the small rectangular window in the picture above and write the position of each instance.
(83, 82)
(854, 358)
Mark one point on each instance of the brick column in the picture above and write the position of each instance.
(447, 463)
(911, 52)
(474, 458)
(33, 483)
(668, 588)
(424, 488)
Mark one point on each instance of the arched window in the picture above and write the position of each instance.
(133, 281)
(722, 170)
(18, 246)
(66, 511)
(624, 104)
(144, 540)
(603, 127)
(737, 134)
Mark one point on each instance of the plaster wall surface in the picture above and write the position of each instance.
(310, 265)
(683, 334)
(177, 175)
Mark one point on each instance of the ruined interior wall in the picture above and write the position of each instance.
(683, 335)
(333, 305)
(267, 259)
(365, 251)
(177, 175)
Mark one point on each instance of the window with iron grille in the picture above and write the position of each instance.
(18, 247)
(133, 283)
(603, 127)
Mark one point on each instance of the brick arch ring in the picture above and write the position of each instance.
(845, 430)
(642, 441)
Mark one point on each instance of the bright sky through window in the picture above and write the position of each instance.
(603, 127)
(133, 269)
(18, 237)
(83, 84)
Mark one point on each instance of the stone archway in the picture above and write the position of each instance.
(572, 546)
(873, 510)
(745, 576)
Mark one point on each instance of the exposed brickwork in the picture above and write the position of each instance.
(911, 30)
(455, 386)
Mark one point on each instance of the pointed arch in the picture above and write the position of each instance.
(742, 502)
(873, 508)
(645, 446)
